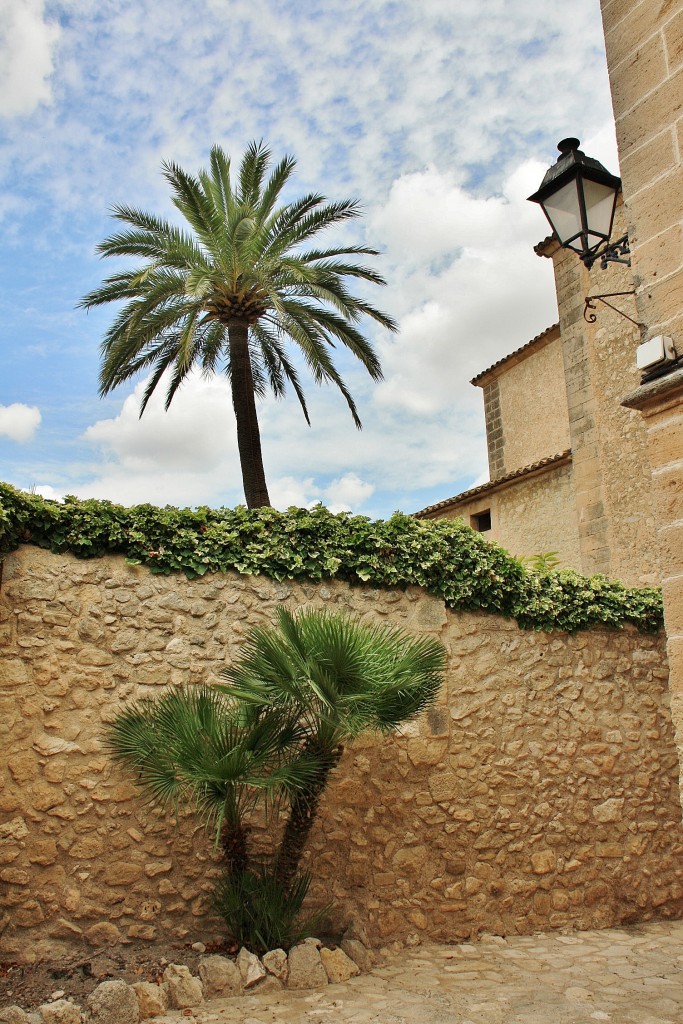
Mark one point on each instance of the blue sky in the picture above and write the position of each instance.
(440, 116)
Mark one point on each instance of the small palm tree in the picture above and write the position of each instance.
(337, 677)
(227, 294)
(193, 747)
(271, 736)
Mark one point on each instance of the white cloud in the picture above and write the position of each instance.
(19, 422)
(347, 493)
(185, 456)
(46, 491)
(480, 289)
(193, 436)
(27, 42)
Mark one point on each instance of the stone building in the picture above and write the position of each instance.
(568, 463)
(644, 46)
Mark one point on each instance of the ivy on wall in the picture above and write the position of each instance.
(445, 557)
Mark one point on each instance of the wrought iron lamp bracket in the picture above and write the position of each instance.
(614, 252)
(590, 300)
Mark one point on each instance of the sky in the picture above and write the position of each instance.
(440, 116)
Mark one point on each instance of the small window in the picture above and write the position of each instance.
(481, 522)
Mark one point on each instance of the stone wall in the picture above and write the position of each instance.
(540, 793)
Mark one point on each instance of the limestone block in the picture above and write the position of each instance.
(609, 810)
(275, 963)
(220, 977)
(87, 848)
(250, 967)
(28, 915)
(23, 767)
(142, 931)
(49, 746)
(102, 934)
(122, 872)
(151, 999)
(63, 1011)
(13, 830)
(443, 785)
(113, 1002)
(94, 656)
(158, 867)
(13, 1015)
(306, 969)
(338, 966)
(357, 952)
(181, 988)
(269, 984)
(15, 876)
(14, 672)
(543, 862)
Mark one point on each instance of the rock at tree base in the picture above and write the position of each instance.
(13, 1015)
(305, 967)
(220, 977)
(63, 1011)
(357, 952)
(151, 999)
(181, 988)
(250, 968)
(338, 966)
(113, 1002)
(275, 963)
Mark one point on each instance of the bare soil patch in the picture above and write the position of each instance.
(75, 976)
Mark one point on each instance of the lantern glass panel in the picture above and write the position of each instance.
(599, 201)
(563, 210)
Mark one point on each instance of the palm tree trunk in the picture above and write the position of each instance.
(302, 815)
(234, 844)
(244, 404)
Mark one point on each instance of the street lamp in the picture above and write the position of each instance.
(578, 196)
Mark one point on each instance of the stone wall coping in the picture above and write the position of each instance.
(657, 392)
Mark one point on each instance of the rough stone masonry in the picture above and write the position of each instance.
(540, 793)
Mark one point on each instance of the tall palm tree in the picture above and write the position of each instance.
(230, 291)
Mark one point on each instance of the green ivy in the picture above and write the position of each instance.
(445, 557)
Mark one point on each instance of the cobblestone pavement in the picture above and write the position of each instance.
(624, 976)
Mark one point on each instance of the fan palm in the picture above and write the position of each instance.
(193, 747)
(227, 294)
(337, 677)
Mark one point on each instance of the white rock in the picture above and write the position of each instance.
(181, 988)
(275, 963)
(250, 968)
(199, 947)
(63, 1011)
(151, 999)
(220, 977)
(269, 984)
(113, 1002)
(13, 1015)
(338, 966)
(357, 952)
(305, 967)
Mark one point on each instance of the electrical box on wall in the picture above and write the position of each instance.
(656, 352)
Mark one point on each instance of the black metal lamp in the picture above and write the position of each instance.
(578, 196)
